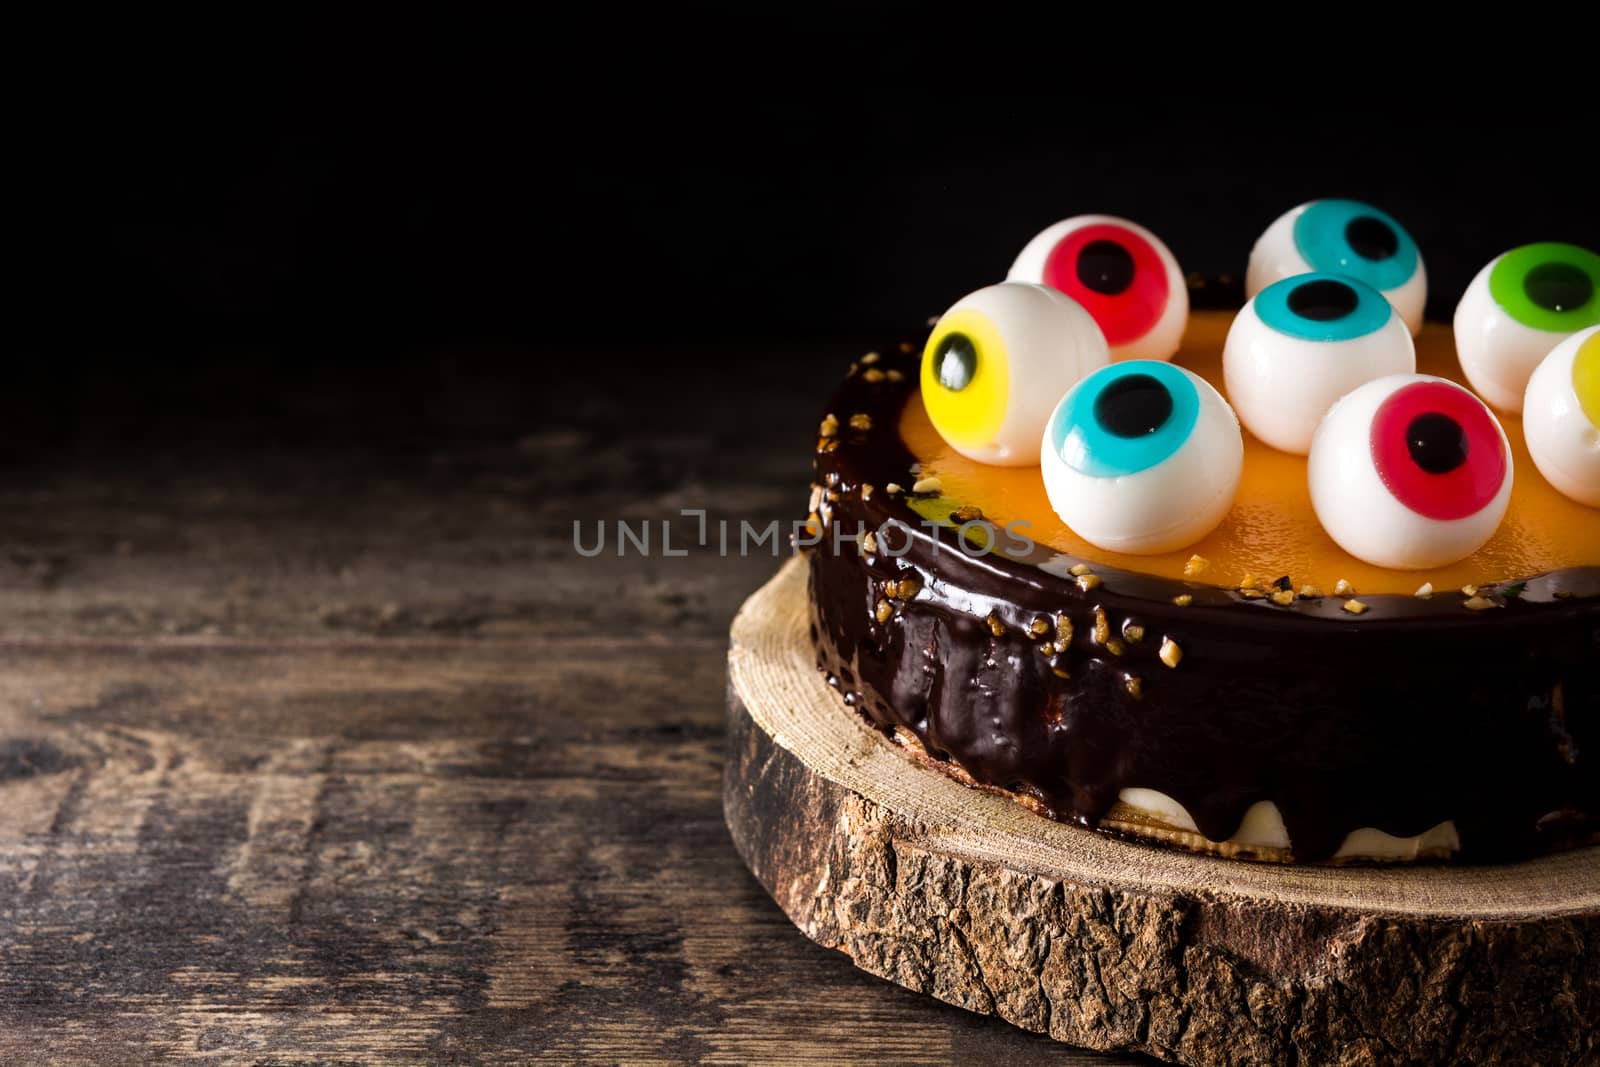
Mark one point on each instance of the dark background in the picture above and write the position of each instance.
(690, 192)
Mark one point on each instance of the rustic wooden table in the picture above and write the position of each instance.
(320, 743)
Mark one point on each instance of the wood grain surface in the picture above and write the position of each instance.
(320, 744)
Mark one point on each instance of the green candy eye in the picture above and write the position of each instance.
(1548, 286)
(1517, 309)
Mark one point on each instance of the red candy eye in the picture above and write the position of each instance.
(1438, 451)
(1120, 273)
(1115, 274)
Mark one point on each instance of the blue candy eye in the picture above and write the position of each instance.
(1345, 238)
(1125, 418)
(1300, 345)
(1142, 457)
(1322, 307)
(1355, 239)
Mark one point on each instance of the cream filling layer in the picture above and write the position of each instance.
(1263, 828)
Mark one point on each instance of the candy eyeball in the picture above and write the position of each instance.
(1299, 345)
(1519, 307)
(1410, 471)
(1142, 457)
(1343, 237)
(1561, 417)
(997, 362)
(1122, 275)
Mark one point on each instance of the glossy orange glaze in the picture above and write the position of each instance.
(1272, 530)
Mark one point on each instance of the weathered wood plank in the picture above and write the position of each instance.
(319, 744)
(401, 850)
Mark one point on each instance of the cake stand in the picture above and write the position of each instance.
(1114, 945)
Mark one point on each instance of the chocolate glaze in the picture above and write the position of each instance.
(1416, 712)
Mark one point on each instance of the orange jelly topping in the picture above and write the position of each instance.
(1272, 531)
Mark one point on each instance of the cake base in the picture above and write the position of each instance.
(1110, 944)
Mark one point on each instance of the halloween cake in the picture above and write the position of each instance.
(1306, 580)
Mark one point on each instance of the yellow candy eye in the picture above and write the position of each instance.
(1561, 417)
(997, 362)
(965, 378)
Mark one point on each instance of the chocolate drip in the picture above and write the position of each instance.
(1417, 713)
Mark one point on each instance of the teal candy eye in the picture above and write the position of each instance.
(1142, 457)
(1126, 418)
(1347, 239)
(1300, 345)
(1322, 307)
(1355, 239)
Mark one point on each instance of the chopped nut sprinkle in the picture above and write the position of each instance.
(1354, 607)
(929, 484)
(1135, 687)
(1183, 600)
(967, 513)
(1102, 628)
(1063, 632)
(1079, 569)
(896, 375)
(866, 490)
(892, 488)
(1196, 566)
(872, 374)
(828, 444)
(905, 588)
(1343, 588)
(883, 611)
(869, 543)
(1283, 597)
(907, 346)
(1310, 592)
(829, 427)
(1087, 582)
(1252, 594)
(1039, 626)
(1424, 591)
(1469, 590)
(1248, 582)
(1116, 647)
(1479, 603)
(869, 359)
(996, 627)
(1047, 648)
(1133, 632)
(1170, 653)
(1059, 673)
(861, 421)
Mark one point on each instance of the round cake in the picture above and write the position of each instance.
(1259, 694)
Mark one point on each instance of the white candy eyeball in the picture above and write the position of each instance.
(998, 361)
(1343, 237)
(1299, 345)
(1122, 275)
(1410, 471)
(1142, 457)
(1518, 308)
(1561, 417)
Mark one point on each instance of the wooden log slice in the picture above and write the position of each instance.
(1110, 944)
